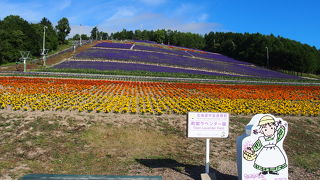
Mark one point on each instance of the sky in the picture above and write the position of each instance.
(294, 19)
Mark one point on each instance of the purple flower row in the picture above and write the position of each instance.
(164, 50)
(161, 58)
(157, 49)
(218, 57)
(99, 65)
(176, 52)
(114, 45)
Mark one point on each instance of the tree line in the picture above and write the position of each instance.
(16, 34)
(271, 51)
(275, 52)
(190, 40)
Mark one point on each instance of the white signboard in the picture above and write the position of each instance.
(260, 149)
(208, 125)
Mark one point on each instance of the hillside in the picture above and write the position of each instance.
(152, 57)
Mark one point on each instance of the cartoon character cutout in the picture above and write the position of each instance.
(267, 151)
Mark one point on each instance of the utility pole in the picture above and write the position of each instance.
(44, 50)
(267, 57)
(97, 34)
(24, 57)
(80, 35)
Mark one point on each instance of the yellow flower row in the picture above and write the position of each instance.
(157, 105)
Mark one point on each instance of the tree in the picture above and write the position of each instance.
(137, 35)
(16, 34)
(51, 35)
(94, 33)
(76, 37)
(10, 45)
(228, 47)
(160, 36)
(172, 38)
(84, 37)
(63, 29)
(104, 35)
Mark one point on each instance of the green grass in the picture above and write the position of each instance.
(61, 47)
(302, 143)
(309, 161)
(315, 76)
(57, 143)
(8, 64)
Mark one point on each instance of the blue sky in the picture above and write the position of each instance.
(295, 19)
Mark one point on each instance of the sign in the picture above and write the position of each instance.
(208, 125)
(260, 153)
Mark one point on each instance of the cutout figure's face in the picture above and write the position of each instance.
(268, 129)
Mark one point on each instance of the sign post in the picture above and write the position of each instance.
(208, 125)
(207, 155)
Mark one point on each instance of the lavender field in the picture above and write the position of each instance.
(162, 50)
(100, 65)
(114, 45)
(157, 59)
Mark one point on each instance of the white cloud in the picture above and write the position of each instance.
(77, 29)
(184, 9)
(153, 21)
(123, 12)
(203, 17)
(64, 4)
(200, 27)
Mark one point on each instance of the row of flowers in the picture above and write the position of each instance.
(52, 94)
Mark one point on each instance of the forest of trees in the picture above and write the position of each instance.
(16, 34)
(284, 54)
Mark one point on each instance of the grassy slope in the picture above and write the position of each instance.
(159, 74)
(123, 144)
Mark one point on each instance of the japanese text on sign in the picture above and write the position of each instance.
(208, 125)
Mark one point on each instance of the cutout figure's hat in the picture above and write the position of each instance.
(266, 119)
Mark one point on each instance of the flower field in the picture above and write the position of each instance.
(98, 65)
(105, 96)
(222, 65)
(162, 58)
(114, 45)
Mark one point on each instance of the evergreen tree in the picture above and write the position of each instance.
(51, 35)
(63, 29)
(94, 33)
